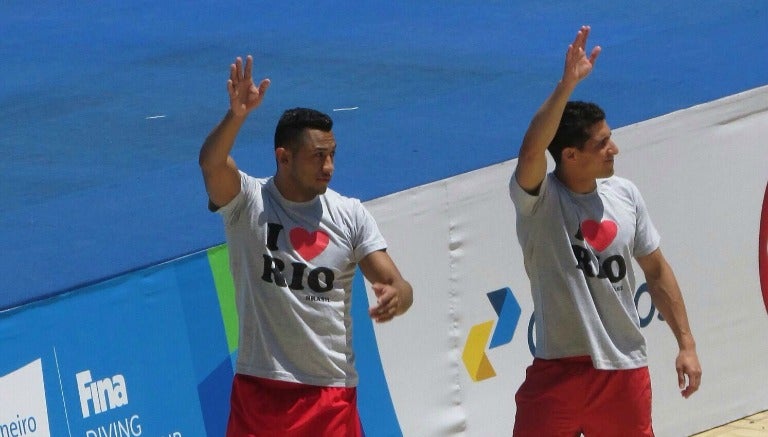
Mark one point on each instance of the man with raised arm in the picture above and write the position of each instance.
(579, 228)
(293, 246)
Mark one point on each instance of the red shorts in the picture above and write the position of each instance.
(267, 408)
(569, 396)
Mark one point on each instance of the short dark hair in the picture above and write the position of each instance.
(573, 131)
(290, 128)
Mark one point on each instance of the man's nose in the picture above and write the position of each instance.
(328, 164)
(614, 149)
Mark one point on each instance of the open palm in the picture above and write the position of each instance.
(577, 64)
(244, 95)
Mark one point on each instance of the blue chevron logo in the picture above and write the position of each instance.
(508, 311)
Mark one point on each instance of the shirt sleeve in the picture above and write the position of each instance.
(231, 211)
(647, 238)
(367, 238)
(526, 203)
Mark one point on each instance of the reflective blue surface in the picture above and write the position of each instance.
(103, 106)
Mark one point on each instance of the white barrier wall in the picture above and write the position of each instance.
(703, 173)
(150, 353)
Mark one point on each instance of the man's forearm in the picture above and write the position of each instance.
(405, 296)
(544, 124)
(219, 143)
(666, 296)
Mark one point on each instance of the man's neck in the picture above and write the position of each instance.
(288, 191)
(574, 183)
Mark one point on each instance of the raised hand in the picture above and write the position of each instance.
(244, 95)
(577, 64)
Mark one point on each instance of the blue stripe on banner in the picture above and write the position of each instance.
(377, 411)
(207, 340)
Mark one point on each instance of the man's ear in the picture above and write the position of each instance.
(569, 153)
(282, 155)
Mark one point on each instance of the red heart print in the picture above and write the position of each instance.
(308, 244)
(599, 235)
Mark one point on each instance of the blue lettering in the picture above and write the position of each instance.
(19, 427)
(531, 342)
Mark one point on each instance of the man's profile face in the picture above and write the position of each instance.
(310, 167)
(596, 156)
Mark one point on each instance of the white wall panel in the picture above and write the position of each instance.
(703, 173)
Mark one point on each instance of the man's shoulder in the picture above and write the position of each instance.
(254, 184)
(260, 180)
(620, 186)
(617, 182)
(335, 198)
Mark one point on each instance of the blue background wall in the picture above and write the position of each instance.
(103, 105)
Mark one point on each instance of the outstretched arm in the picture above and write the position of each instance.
(394, 294)
(222, 180)
(666, 296)
(532, 160)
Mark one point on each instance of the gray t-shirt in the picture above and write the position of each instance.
(293, 266)
(578, 251)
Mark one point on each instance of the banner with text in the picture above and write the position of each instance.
(151, 353)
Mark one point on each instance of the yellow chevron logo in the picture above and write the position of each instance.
(474, 356)
(475, 359)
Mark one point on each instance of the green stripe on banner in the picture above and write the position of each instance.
(218, 258)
